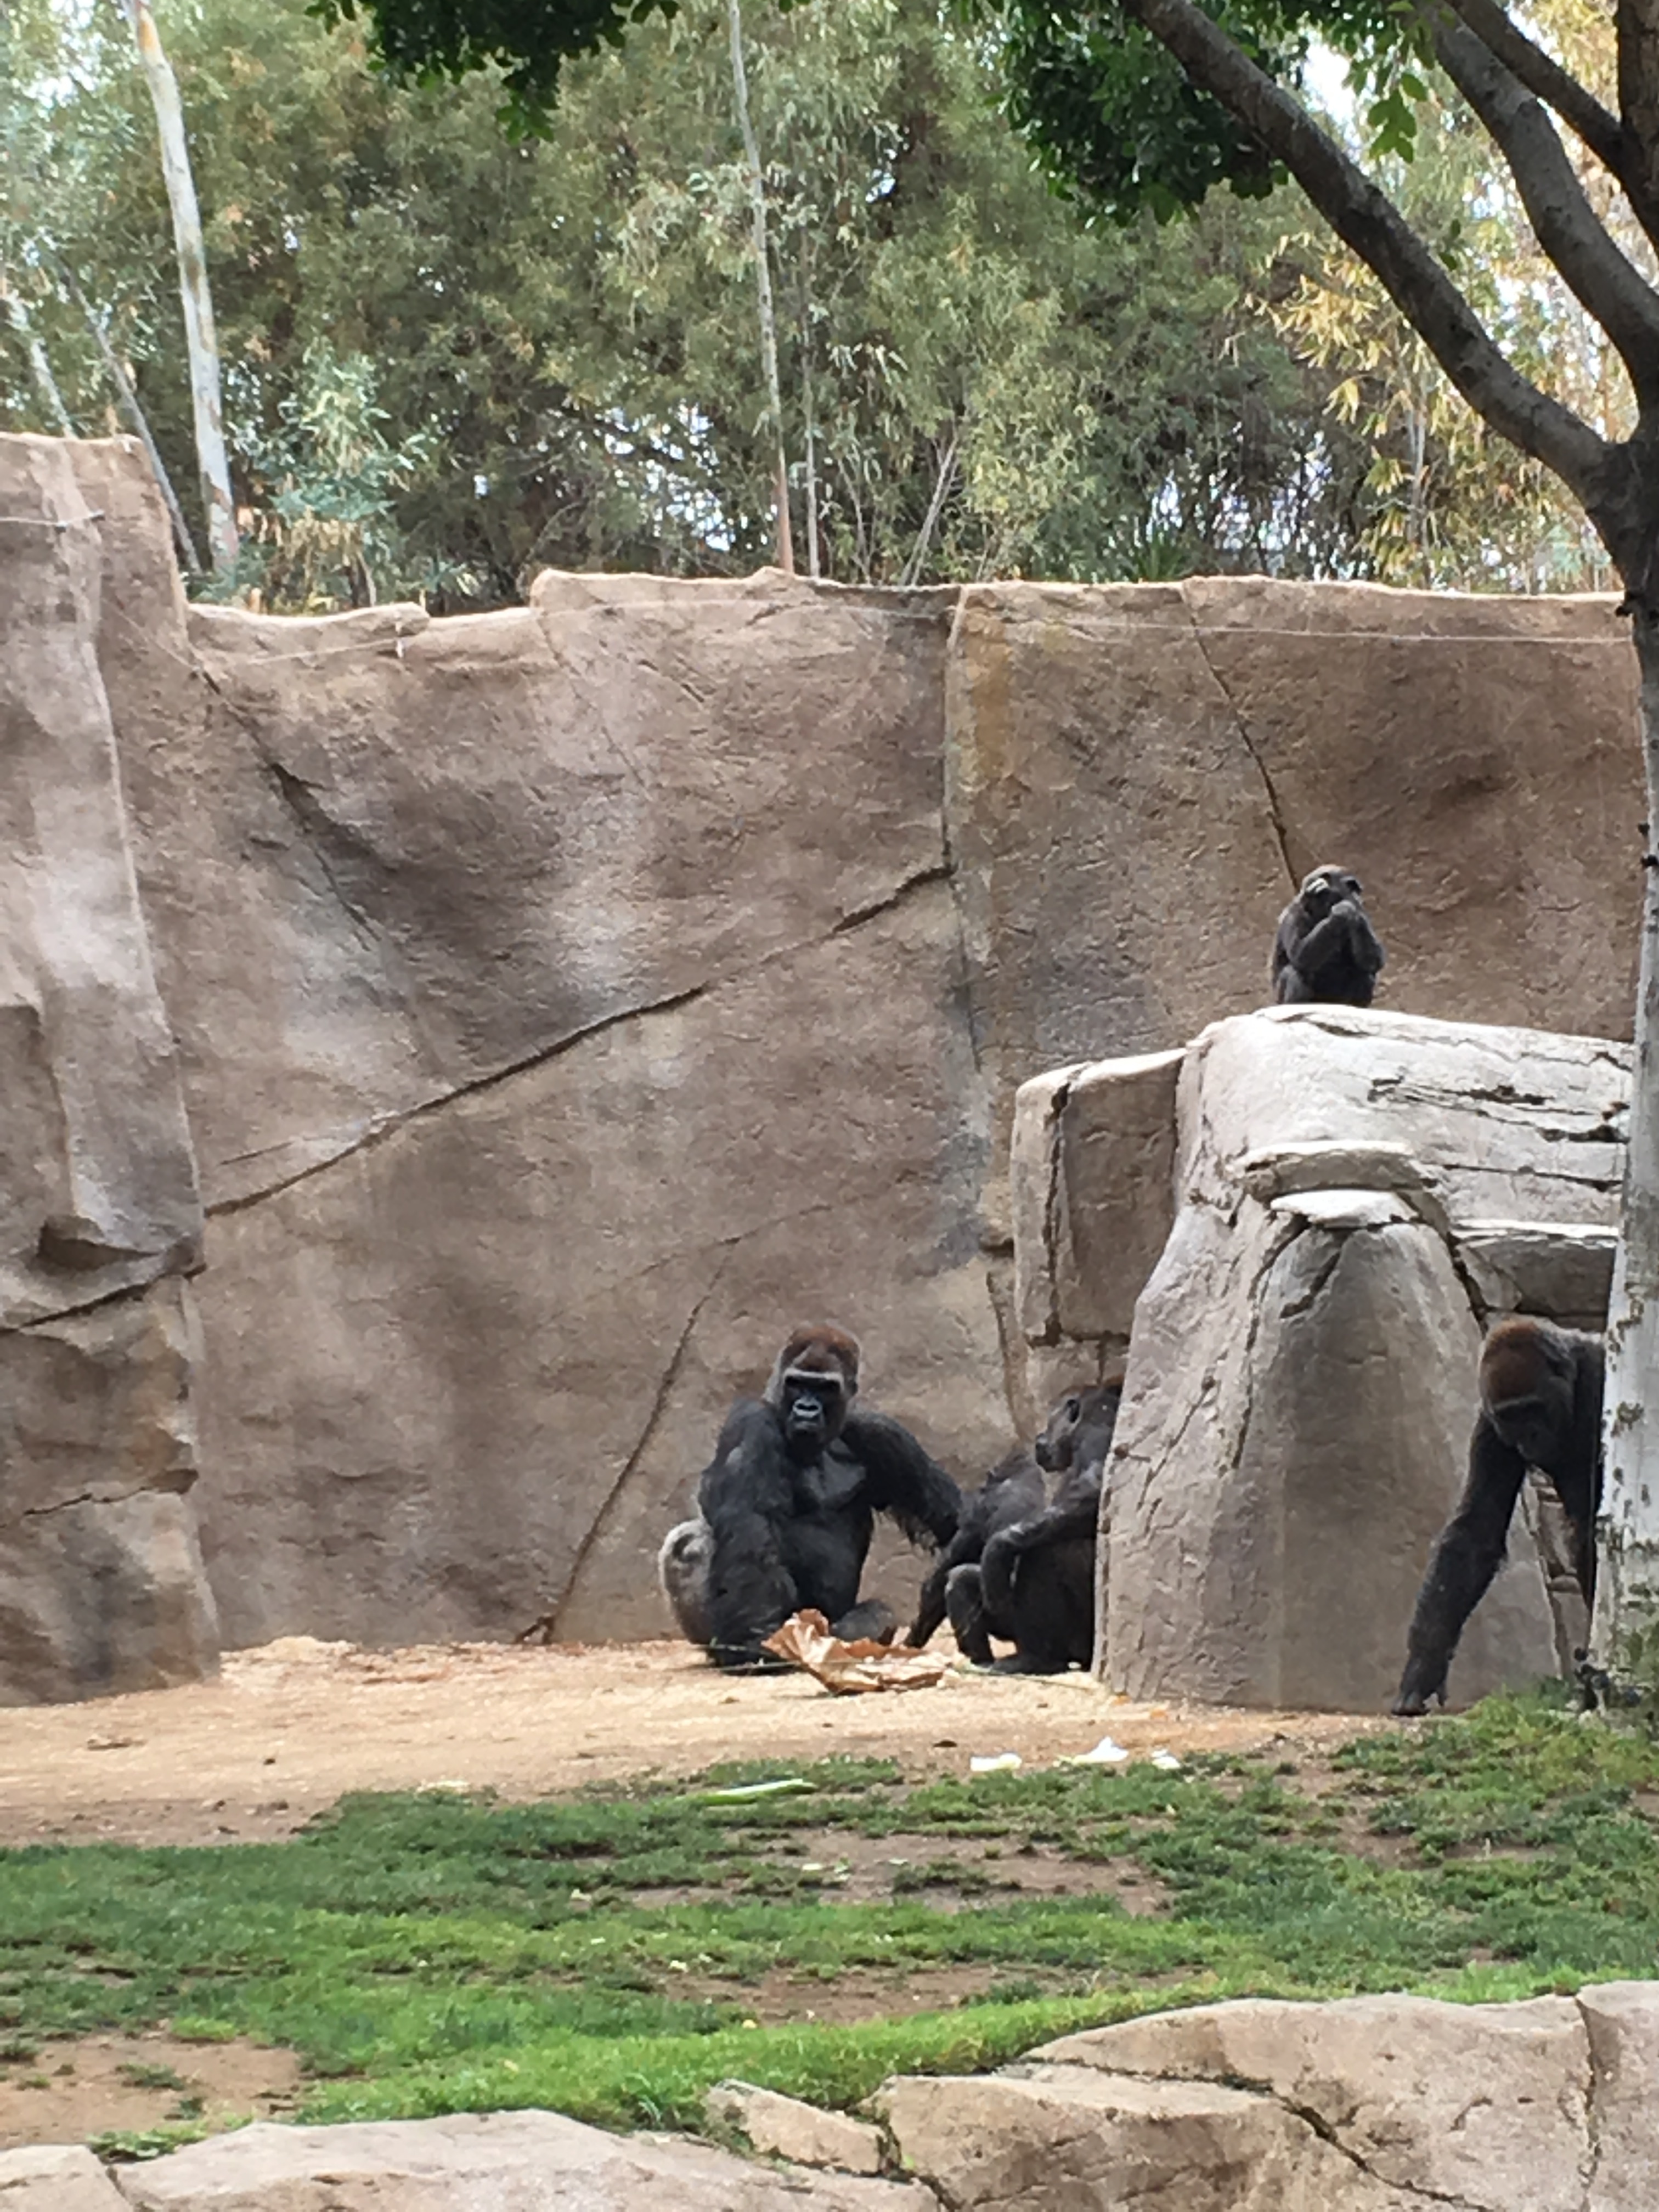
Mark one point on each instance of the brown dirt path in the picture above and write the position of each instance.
(291, 1727)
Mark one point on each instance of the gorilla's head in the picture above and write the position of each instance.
(813, 1386)
(1326, 887)
(1078, 1430)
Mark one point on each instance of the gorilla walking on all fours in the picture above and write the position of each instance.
(1325, 952)
(1034, 1582)
(787, 1507)
(1540, 1406)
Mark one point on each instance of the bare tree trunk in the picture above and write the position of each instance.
(129, 398)
(811, 484)
(39, 366)
(1625, 1634)
(201, 343)
(947, 468)
(769, 324)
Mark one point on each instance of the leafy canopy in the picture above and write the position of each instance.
(1111, 112)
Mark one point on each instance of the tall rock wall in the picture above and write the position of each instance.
(102, 1580)
(566, 999)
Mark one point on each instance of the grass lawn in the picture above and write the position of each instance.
(612, 1953)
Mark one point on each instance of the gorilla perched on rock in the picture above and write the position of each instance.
(1033, 1584)
(1540, 1406)
(787, 1507)
(1325, 952)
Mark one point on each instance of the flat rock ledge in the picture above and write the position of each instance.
(1375, 2104)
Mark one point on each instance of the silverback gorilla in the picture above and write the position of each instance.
(1034, 1583)
(1540, 1406)
(789, 1505)
(1326, 952)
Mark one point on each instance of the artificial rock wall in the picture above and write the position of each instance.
(527, 1016)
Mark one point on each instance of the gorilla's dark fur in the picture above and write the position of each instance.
(1326, 952)
(1011, 1491)
(1035, 1582)
(1540, 1406)
(789, 1505)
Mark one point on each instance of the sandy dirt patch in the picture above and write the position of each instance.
(100, 2083)
(291, 1727)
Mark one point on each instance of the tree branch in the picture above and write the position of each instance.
(1366, 220)
(1636, 33)
(1562, 221)
(1598, 128)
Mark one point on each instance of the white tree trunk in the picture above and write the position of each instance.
(1626, 1631)
(201, 342)
(39, 366)
(129, 398)
(769, 323)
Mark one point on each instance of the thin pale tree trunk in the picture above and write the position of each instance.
(811, 484)
(810, 487)
(201, 342)
(768, 321)
(947, 468)
(129, 398)
(1625, 1636)
(39, 366)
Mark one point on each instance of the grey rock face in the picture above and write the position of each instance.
(567, 1000)
(1353, 1198)
(784, 2127)
(56, 2177)
(501, 2162)
(101, 1581)
(1374, 2104)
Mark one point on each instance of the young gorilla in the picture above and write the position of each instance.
(789, 1505)
(1325, 952)
(1035, 1582)
(1011, 1491)
(1540, 1406)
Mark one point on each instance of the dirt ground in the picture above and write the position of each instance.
(291, 1727)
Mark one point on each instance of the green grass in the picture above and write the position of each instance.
(614, 1952)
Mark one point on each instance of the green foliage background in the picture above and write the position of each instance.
(559, 334)
(453, 357)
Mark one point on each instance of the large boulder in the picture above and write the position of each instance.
(1345, 1200)
(101, 1581)
(1377, 2104)
(497, 2162)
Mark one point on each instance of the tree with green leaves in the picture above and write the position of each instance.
(557, 336)
(1151, 104)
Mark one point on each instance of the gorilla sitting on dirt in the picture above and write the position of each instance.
(1023, 1569)
(787, 1508)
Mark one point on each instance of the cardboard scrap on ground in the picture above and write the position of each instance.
(805, 1641)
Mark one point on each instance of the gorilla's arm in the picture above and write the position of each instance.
(1074, 1513)
(745, 1496)
(1345, 932)
(901, 1479)
(1467, 1555)
(962, 1549)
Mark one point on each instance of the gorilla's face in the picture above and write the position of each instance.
(814, 1410)
(1054, 1447)
(1327, 888)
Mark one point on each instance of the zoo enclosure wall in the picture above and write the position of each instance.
(529, 1015)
